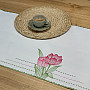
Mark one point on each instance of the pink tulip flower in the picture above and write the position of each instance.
(53, 59)
(41, 62)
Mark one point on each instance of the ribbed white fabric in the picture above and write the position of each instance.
(73, 46)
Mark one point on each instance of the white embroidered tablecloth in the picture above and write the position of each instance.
(22, 54)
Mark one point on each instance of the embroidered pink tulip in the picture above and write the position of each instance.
(41, 62)
(53, 59)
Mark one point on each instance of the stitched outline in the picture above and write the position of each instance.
(46, 80)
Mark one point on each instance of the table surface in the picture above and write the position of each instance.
(79, 10)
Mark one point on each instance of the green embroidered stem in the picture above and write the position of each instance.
(48, 68)
(43, 71)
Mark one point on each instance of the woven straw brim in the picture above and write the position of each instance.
(60, 22)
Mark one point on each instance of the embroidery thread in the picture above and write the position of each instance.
(46, 65)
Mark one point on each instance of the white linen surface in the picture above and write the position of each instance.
(73, 46)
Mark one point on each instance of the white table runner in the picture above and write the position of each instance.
(21, 53)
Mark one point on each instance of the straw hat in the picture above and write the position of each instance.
(60, 22)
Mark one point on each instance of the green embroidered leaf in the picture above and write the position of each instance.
(40, 53)
(44, 76)
(40, 68)
(44, 69)
(37, 71)
(50, 75)
(53, 69)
